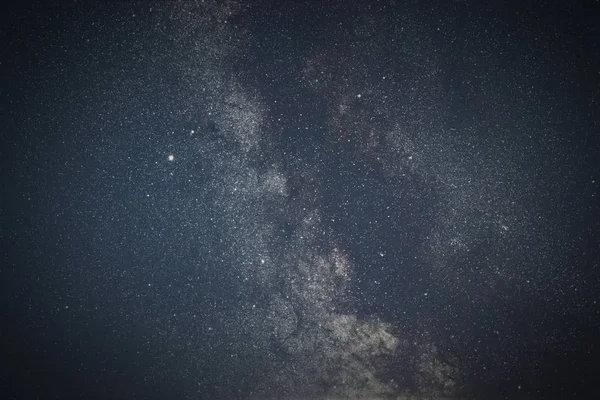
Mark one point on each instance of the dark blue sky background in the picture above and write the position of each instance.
(260, 200)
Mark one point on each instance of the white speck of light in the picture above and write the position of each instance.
(359, 95)
(171, 157)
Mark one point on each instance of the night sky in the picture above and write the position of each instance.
(300, 200)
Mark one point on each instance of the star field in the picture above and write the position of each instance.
(262, 200)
